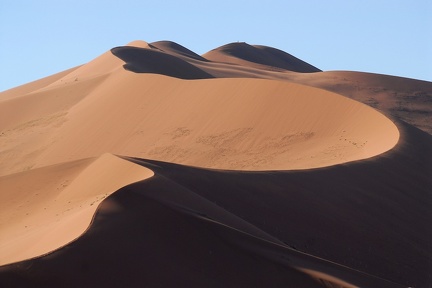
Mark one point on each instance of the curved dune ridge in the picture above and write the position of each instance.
(141, 60)
(259, 56)
(55, 204)
(206, 124)
(237, 124)
(239, 108)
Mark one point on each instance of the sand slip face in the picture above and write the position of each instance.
(258, 56)
(44, 209)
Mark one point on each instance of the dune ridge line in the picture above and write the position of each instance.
(32, 227)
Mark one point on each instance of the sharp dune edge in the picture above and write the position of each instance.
(154, 166)
(59, 210)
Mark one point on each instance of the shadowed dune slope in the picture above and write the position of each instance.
(54, 205)
(262, 57)
(141, 60)
(369, 215)
(145, 243)
(176, 50)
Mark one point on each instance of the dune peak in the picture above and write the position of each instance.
(139, 44)
(259, 56)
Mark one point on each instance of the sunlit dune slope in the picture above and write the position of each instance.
(247, 124)
(44, 209)
(34, 85)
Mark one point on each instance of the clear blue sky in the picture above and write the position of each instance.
(41, 37)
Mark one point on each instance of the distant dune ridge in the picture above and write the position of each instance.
(259, 56)
(243, 167)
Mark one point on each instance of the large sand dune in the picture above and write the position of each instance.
(239, 124)
(311, 188)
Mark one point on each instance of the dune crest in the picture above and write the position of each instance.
(139, 44)
(141, 60)
(258, 56)
(55, 205)
(176, 50)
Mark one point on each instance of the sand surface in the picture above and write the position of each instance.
(237, 124)
(245, 166)
(53, 205)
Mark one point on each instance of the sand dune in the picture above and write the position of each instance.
(318, 190)
(203, 123)
(258, 56)
(407, 99)
(142, 60)
(219, 219)
(176, 50)
(34, 85)
(54, 205)
(403, 98)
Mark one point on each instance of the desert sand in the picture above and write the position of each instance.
(245, 166)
